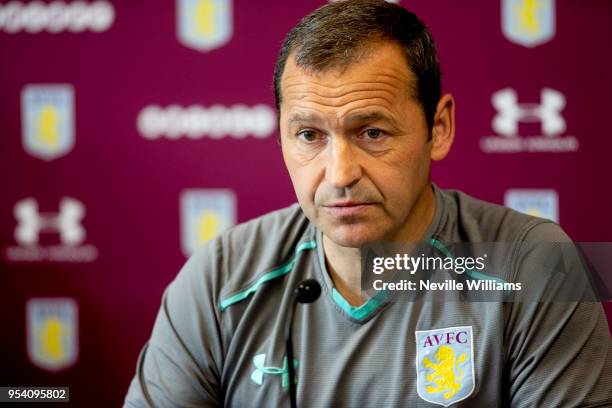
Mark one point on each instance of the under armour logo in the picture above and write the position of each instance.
(260, 369)
(67, 222)
(510, 112)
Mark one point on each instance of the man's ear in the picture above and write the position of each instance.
(443, 131)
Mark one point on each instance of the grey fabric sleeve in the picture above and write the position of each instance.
(181, 364)
(559, 354)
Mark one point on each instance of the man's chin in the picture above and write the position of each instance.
(351, 237)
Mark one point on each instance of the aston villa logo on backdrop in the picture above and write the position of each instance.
(543, 203)
(528, 22)
(52, 333)
(204, 215)
(204, 24)
(47, 117)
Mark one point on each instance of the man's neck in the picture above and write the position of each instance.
(344, 263)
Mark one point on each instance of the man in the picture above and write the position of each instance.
(357, 86)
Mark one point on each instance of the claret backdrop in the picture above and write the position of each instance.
(133, 131)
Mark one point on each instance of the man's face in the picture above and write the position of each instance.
(355, 143)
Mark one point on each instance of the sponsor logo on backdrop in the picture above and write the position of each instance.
(204, 24)
(388, 1)
(543, 203)
(445, 364)
(52, 332)
(47, 119)
(215, 122)
(66, 224)
(528, 22)
(205, 213)
(510, 113)
(56, 16)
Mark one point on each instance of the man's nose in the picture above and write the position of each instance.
(343, 168)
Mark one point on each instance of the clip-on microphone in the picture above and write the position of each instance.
(306, 292)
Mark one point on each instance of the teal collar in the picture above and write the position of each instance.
(360, 312)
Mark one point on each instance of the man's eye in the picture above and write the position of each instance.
(373, 134)
(307, 135)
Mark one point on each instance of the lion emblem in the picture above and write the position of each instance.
(446, 373)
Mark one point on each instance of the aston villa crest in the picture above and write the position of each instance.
(205, 213)
(47, 116)
(204, 24)
(528, 22)
(52, 333)
(445, 364)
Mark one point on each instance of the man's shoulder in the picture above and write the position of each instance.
(244, 254)
(470, 219)
(270, 226)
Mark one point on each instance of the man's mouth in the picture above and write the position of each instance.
(347, 208)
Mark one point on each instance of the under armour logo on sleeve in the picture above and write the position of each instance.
(259, 361)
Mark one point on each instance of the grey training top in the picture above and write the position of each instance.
(218, 337)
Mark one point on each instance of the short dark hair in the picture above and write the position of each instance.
(336, 35)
